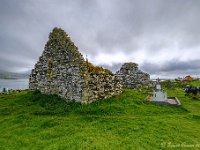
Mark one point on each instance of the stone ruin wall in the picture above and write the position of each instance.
(62, 70)
(100, 86)
(132, 77)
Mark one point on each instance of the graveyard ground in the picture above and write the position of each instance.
(30, 120)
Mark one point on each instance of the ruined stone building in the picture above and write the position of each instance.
(62, 70)
(132, 77)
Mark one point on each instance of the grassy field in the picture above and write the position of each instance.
(30, 120)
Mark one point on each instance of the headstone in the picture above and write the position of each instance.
(158, 87)
(158, 94)
(4, 90)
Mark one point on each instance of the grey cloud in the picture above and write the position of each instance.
(170, 69)
(100, 26)
(114, 67)
(172, 66)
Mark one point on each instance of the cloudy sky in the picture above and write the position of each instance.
(162, 36)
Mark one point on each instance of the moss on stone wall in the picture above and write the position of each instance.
(97, 69)
(59, 34)
(131, 65)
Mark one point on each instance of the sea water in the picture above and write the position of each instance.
(15, 84)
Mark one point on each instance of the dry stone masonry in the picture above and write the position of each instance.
(62, 70)
(132, 77)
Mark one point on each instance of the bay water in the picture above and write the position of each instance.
(15, 84)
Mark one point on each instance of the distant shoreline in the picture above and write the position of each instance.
(14, 83)
(13, 78)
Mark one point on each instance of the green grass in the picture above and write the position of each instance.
(30, 120)
(195, 83)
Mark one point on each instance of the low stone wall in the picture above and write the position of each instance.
(100, 86)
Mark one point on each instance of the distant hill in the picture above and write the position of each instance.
(13, 75)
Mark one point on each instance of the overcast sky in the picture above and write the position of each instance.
(162, 36)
